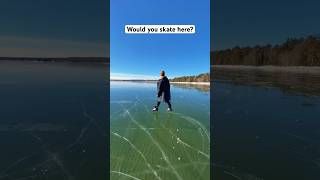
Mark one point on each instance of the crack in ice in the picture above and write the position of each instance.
(233, 175)
(162, 168)
(139, 152)
(178, 139)
(124, 174)
(189, 146)
(14, 164)
(154, 142)
(192, 121)
(54, 157)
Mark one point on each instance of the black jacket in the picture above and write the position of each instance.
(164, 88)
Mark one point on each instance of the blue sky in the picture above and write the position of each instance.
(252, 22)
(54, 28)
(145, 55)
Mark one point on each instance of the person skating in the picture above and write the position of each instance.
(163, 91)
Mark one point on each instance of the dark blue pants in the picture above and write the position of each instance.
(168, 102)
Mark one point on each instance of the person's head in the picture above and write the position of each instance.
(162, 73)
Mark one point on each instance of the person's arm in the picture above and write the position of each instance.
(160, 88)
(169, 93)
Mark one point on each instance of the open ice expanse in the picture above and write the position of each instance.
(159, 145)
(266, 124)
(53, 121)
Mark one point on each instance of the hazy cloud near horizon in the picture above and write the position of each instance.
(11, 46)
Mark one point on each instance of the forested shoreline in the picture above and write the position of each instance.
(205, 77)
(293, 52)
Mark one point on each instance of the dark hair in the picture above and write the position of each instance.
(162, 73)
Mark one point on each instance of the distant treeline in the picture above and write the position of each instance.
(199, 78)
(66, 59)
(293, 52)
